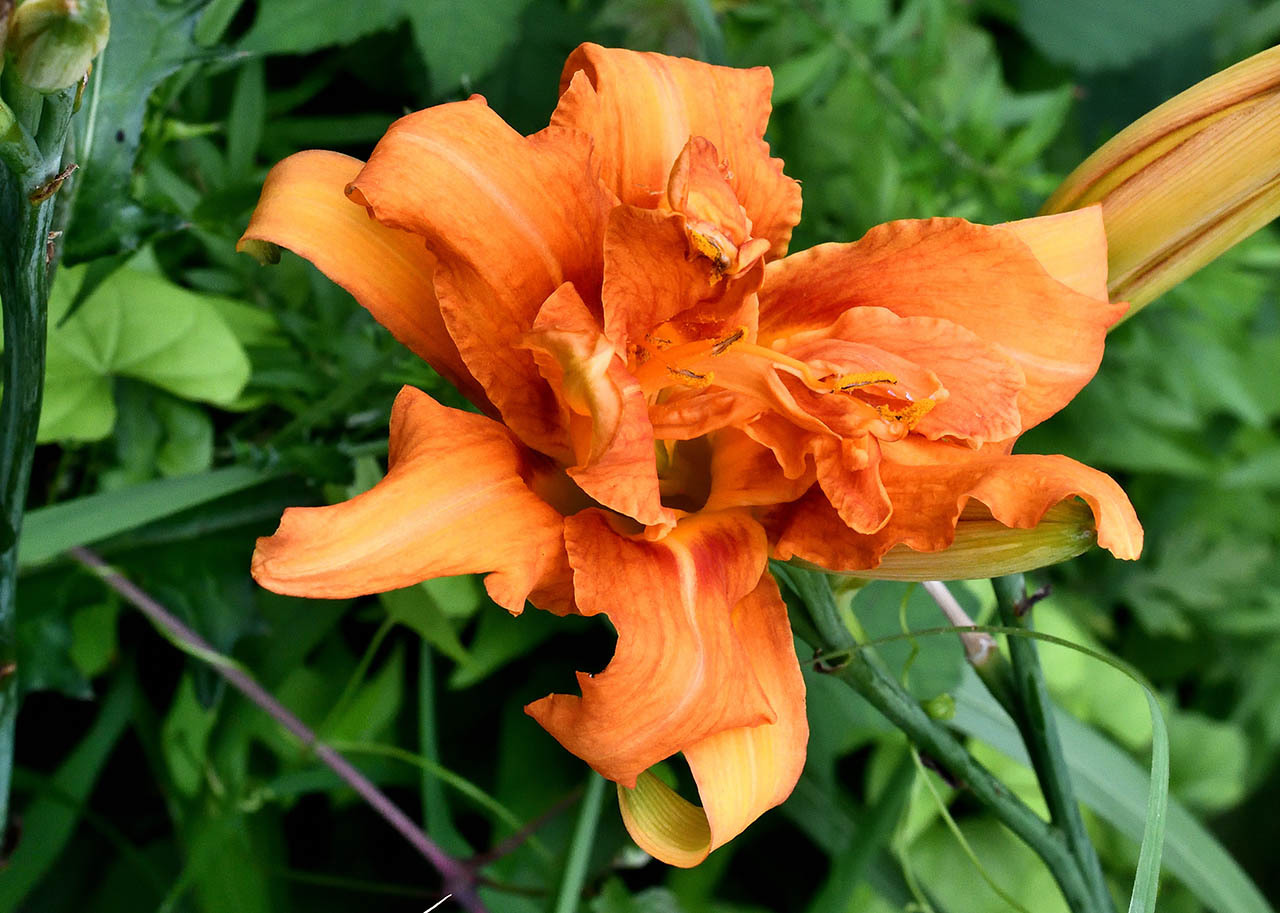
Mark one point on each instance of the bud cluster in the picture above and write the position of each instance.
(51, 43)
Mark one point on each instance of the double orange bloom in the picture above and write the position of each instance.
(669, 400)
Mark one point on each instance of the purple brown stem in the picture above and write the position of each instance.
(459, 879)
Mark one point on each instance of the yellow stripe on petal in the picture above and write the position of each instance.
(663, 824)
(741, 773)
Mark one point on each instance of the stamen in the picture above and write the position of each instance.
(852, 381)
(691, 378)
(910, 416)
(720, 347)
(711, 248)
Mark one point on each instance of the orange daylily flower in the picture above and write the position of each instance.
(669, 400)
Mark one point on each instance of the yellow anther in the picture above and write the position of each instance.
(723, 345)
(909, 414)
(853, 381)
(719, 250)
(691, 378)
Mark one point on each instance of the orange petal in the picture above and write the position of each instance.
(699, 189)
(981, 382)
(510, 218)
(848, 473)
(389, 272)
(688, 415)
(642, 108)
(681, 671)
(1071, 246)
(740, 772)
(791, 447)
(746, 474)
(929, 484)
(454, 501)
(984, 279)
(609, 420)
(649, 276)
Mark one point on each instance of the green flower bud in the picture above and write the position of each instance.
(1186, 182)
(940, 707)
(984, 547)
(53, 42)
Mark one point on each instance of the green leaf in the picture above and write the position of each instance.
(93, 637)
(415, 607)
(184, 738)
(373, 707)
(140, 325)
(50, 818)
(302, 26)
(500, 638)
(461, 40)
(245, 122)
(796, 76)
(1210, 761)
(1103, 34)
(615, 898)
(1111, 783)
(149, 40)
(50, 531)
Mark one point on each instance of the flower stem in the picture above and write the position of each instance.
(458, 877)
(29, 166)
(1032, 711)
(933, 738)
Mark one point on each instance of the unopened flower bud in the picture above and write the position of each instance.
(53, 42)
(985, 547)
(1187, 181)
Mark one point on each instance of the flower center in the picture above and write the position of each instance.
(883, 406)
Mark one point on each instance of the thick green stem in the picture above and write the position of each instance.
(26, 213)
(1032, 710)
(933, 738)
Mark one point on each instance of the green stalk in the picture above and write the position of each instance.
(1032, 711)
(933, 738)
(29, 167)
(583, 842)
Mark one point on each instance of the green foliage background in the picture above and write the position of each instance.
(192, 395)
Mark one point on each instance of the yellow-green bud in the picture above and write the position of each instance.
(1187, 181)
(53, 42)
(940, 707)
(984, 547)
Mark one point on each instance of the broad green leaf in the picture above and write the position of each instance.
(149, 40)
(1210, 761)
(415, 607)
(1111, 783)
(501, 638)
(302, 26)
(93, 637)
(226, 863)
(796, 76)
(1103, 34)
(140, 325)
(184, 738)
(373, 707)
(50, 818)
(461, 40)
(615, 898)
(49, 531)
